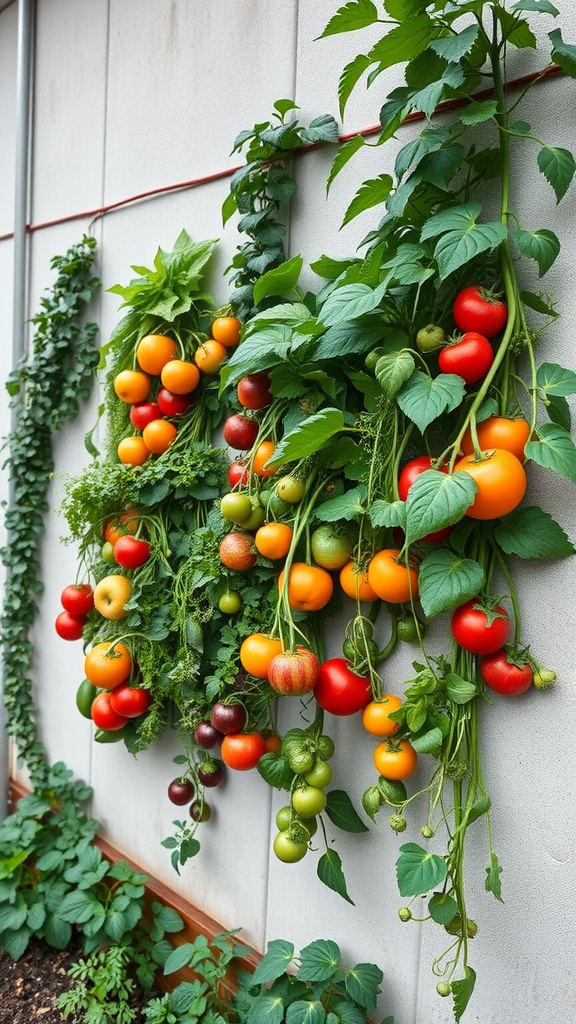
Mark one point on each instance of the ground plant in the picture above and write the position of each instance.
(365, 450)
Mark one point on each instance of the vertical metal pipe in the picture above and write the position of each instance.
(26, 9)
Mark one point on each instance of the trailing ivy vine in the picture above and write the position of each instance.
(46, 393)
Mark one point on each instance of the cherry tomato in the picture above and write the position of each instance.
(355, 583)
(107, 664)
(395, 759)
(154, 351)
(390, 579)
(375, 715)
(264, 451)
(211, 773)
(131, 553)
(499, 432)
(230, 602)
(236, 506)
(309, 587)
(320, 774)
(142, 413)
(339, 690)
(308, 801)
(238, 473)
(290, 489)
(180, 377)
(237, 551)
(226, 330)
(240, 431)
(78, 599)
(470, 358)
(473, 630)
(475, 309)
(69, 627)
(103, 715)
(509, 677)
(227, 718)
(181, 791)
(256, 653)
(119, 525)
(130, 701)
(254, 391)
(273, 540)
(242, 750)
(501, 482)
(171, 404)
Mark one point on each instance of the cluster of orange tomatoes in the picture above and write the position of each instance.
(161, 388)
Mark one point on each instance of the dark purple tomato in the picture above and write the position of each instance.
(228, 718)
(207, 736)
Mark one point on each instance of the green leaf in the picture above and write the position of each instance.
(554, 379)
(442, 907)
(346, 506)
(418, 871)
(476, 113)
(480, 806)
(350, 336)
(279, 281)
(517, 30)
(563, 53)
(319, 961)
(275, 770)
(540, 6)
(313, 434)
(537, 303)
(363, 984)
(542, 246)
(349, 302)
(16, 943)
(166, 918)
(559, 412)
(436, 500)
(446, 581)
(429, 742)
(462, 238)
(430, 140)
(279, 954)
(79, 906)
(371, 193)
(388, 513)
(454, 47)
(321, 129)
(530, 532)
(392, 371)
(403, 43)
(330, 873)
(348, 150)
(423, 399)
(354, 15)
(462, 991)
(341, 812)
(492, 883)
(393, 791)
(554, 449)
(305, 1011)
(260, 351)
(56, 931)
(266, 1009)
(558, 167)
(459, 690)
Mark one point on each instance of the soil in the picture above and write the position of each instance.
(30, 986)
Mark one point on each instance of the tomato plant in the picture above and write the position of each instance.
(506, 672)
(479, 628)
(339, 690)
(470, 357)
(476, 309)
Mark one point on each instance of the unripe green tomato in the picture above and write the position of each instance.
(230, 602)
(288, 851)
(85, 695)
(308, 801)
(427, 832)
(429, 338)
(408, 629)
(283, 818)
(398, 823)
(544, 678)
(290, 489)
(373, 357)
(300, 760)
(325, 747)
(372, 801)
(107, 552)
(236, 507)
(320, 774)
(256, 517)
(443, 988)
(405, 913)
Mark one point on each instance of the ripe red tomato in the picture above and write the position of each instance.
(240, 431)
(509, 677)
(68, 626)
(480, 631)
(171, 404)
(237, 551)
(339, 690)
(294, 672)
(238, 473)
(130, 552)
(242, 750)
(470, 358)
(407, 477)
(254, 391)
(142, 413)
(103, 715)
(78, 599)
(130, 701)
(475, 309)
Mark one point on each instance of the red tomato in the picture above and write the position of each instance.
(475, 309)
(68, 626)
(406, 479)
(238, 473)
(479, 631)
(254, 391)
(142, 413)
(294, 672)
(470, 358)
(339, 690)
(130, 701)
(505, 676)
(242, 750)
(131, 553)
(171, 404)
(77, 599)
(103, 714)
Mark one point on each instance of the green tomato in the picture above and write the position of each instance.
(256, 517)
(85, 695)
(408, 629)
(107, 552)
(320, 775)
(300, 760)
(288, 851)
(373, 357)
(285, 818)
(308, 801)
(290, 489)
(236, 507)
(331, 548)
(325, 747)
(429, 338)
(230, 602)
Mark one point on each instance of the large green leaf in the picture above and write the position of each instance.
(392, 371)
(349, 337)
(346, 506)
(442, 907)
(330, 872)
(349, 302)
(278, 956)
(305, 1011)
(460, 237)
(319, 961)
(541, 6)
(476, 113)
(352, 16)
(314, 433)
(363, 984)
(445, 581)
(279, 281)
(266, 1009)
(462, 991)
(554, 379)
(516, 29)
(260, 351)
(371, 193)
(418, 871)
(554, 449)
(542, 246)
(388, 513)
(423, 399)
(558, 167)
(430, 140)
(454, 47)
(563, 53)
(340, 810)
(530, 532)
(436, 500)
(349, 78)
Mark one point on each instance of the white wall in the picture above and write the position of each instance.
(135, 94)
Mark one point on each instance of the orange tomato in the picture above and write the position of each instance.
(226, 330)
(273, 744)
(132, 386)
(375, 715)
(119, 525)
(210, 355)
(501, 481)
(391, 580)
(180, 376)
(153, 352)
(309, 587)
(273, 540)
(355, 584)
(133, 451)
(395, 759)
(107, 664)
(158, 435)
(264, 451)
(256, 653)
(499, 432)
